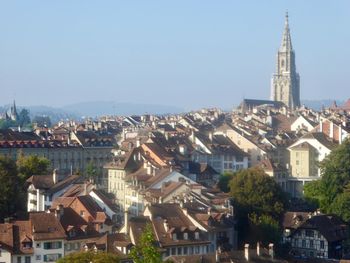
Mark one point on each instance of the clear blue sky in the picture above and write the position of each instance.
(185, 53)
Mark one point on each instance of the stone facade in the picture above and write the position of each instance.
(285, 83)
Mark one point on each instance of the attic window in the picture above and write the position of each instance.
(27, 244)
(185, 236)
(196, 235)
(174, 236)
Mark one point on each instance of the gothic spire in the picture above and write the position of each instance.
(286, 44)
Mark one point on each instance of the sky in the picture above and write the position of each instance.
(185, 53)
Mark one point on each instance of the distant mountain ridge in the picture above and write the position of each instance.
(95, 109)
(99, 108)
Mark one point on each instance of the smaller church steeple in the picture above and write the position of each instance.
(286, 44)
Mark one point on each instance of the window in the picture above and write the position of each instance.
(185, 236)
(185, 250)
(309, 233)
(37, 245)
(27, 259)
(179, 250)
(19, 259)
(52, 257)
(311, 244)
(322, 244)
(297, 162)
(173, 251)
(174, 236)
(52, 245)
(196, 235)
(82, 212)
(38, 257)
(303, 243)
(197, 249)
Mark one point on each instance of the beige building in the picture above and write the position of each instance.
(305, 155)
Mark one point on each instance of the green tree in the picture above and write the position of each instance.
(9, 187)
(264, 228)
(224, 181)
(146, 251)
(31, 165)
(331, 192)
(91, 171)
(23, 118)
(254, 191)
(259, 204)
(89, 256)
(5, 124)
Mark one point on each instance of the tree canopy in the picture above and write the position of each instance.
(332, 192)
(146, 251)
(9, 187)
(259, 204)
(31, 165)
(255, 191)
(90, 256)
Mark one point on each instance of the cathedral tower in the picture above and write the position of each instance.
(285, 83)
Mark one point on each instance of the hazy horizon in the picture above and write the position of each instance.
(188, 54)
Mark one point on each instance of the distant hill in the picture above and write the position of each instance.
(98, 108)
(318, 104)
(94, 109)
(55, 114)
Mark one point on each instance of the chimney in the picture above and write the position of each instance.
(138, 142)
(166, 225)
(55, 176)
(217, 255)
(246, 252)
(258, 249)
(126, 221)
(59, 212)
(85, 188)
(271, 251)
(149, 169)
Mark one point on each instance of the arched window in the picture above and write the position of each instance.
(282, 63)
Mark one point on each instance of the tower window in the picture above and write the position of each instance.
(282, 63)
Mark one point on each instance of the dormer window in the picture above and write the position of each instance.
(196, 235)
(27, 244)
(185, 236)
(174, 236)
